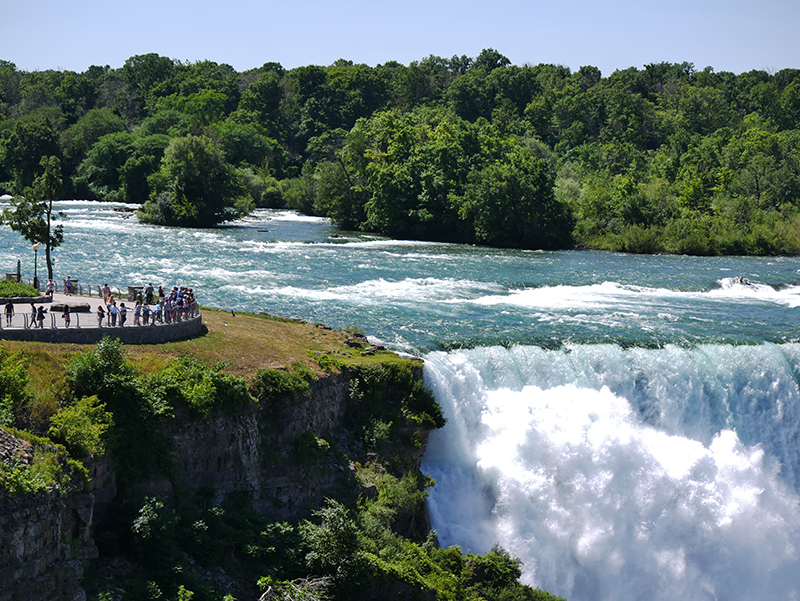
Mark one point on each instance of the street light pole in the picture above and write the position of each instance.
(35, 265)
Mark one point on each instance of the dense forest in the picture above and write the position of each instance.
(659, 159)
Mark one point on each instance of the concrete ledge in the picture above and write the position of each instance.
(26, 300)
(151, 334)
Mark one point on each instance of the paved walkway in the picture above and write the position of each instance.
(54, 318)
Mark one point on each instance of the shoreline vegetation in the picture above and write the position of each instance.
(66, 406)
(658, 159)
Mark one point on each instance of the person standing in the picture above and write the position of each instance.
(148, 294)
(123, 314)
(106, 293)
(9, 312)
(40, 316)
(66, 316)
(112, 311)
(100, 315)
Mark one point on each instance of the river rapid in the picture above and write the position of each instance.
(628, 426)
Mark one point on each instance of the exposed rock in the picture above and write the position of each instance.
(74, 307)
(46, 539)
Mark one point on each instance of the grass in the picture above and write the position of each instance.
(246, 342)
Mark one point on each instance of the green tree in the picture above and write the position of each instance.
(76, 94)
(263, 98)
(30, 214)
(490, 59)
(79, 138)
(25, 147)
(99, 175)
(144, 161)
(511, 203)
(195, 186)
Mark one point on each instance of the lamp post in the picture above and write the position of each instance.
(35, 265)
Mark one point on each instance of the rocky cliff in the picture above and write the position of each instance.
(46, 540)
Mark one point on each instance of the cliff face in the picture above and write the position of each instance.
(252, 452)
(46, 540)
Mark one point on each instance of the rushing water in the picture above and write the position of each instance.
(629, 426)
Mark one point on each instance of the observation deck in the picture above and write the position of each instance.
(84, 327)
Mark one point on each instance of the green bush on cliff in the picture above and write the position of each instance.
(81, 427)
(49, 467)
(138, 446)
(385, 397)
(13, 382)
(270, 385)
(102, 371)
(200, 387)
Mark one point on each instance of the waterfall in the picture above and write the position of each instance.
(624, 473)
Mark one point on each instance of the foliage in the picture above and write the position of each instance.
(195, 187)
(153, 531)
(100, 371)
(82, 426)
(271, 385)
(372, 393)
(49, 468)
(135, 441)
(13, 289)
(202, 388)
(25, 147)
(31, 213)
(310, 451)
(331, 544)
(14, 380)
(459, 149)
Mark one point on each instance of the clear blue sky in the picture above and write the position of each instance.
(728, 35)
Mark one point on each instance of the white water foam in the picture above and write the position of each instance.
(605, 494)
(610, 294)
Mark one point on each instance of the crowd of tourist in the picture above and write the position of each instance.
(150, 307)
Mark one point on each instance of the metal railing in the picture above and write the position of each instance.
(78, 289)
(55, 320)
(157, 317)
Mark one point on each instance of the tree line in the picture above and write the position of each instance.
(665, 158)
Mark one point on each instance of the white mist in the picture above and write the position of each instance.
(606, 497)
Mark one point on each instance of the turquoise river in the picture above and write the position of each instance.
(628, 426)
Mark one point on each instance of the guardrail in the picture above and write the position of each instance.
(56, 321)
(78, 289)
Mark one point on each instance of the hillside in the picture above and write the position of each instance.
(266, 456)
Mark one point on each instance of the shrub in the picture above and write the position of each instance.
(12, 289)
(14, 379)
(82, 427)
(392, 393)
(270, 385)
(49, 468)
(332, 545)
(101, 371)
(200, 387)
(153, 531)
